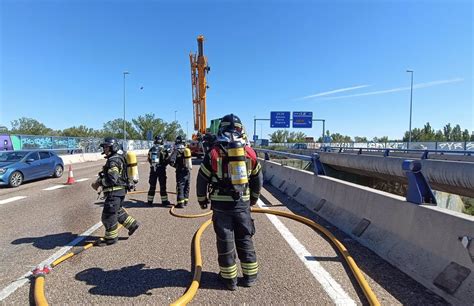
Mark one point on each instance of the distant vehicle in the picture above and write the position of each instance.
(17, 167)
(300, 146)
(262, 142)
(196, 148)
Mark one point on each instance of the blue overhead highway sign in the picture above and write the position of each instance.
(280, 119)
(302, 119)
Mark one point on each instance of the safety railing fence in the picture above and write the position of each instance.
(435, 145)
(64, 145)
(419, 191)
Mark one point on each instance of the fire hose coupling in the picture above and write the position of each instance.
(41, 271)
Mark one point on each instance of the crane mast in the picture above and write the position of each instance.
(199, 69)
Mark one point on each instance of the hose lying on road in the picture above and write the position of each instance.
(192, 289)
(39, 274)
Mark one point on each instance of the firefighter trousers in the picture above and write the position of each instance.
(234, 231)
(113, 214)
(157, 174)
(183, 178)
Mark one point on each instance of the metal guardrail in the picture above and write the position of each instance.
(419, 191)
(386, 152)
(422, 145)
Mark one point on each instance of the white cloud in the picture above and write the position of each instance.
(380, 92)
(326, 93)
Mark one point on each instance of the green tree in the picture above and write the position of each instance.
(29, 126)
(439, 136)
(456, 133)
(360, 139)
(296, 137)
(340, 138)
(148, 122)
(427, 133)
(472, 136)
(80, 131)
(114, 128)
(172, 130)
(465, 135)
(279, 136)
(447, 130)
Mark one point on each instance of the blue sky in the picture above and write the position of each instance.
(346, 61)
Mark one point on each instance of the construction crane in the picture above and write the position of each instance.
(199, 70)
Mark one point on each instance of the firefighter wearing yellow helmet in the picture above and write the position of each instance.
(232, 170)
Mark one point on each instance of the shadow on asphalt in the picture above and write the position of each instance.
(133, 281)
(48, 242)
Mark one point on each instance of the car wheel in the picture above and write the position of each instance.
(16, 178)
(58, 171)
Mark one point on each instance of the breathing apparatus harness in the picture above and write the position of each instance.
(234, 180)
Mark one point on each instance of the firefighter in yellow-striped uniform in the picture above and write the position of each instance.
(158, 159)
(180, 158)
(113, 179)
(232, 170)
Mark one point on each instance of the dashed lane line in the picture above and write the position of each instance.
(5, 292)
(329, 284)
(55, 187)
(12, 199)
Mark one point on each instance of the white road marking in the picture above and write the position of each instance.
(331, 286)
(55, 187)
(11, 199)
(5, 292)
(82, 179)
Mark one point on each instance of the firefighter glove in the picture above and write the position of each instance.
(204, 203)
(95, 185)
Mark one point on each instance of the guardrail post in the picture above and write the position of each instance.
(425, 154)
(386, 152)
(419, 191)
(267, 156)
(318, 167)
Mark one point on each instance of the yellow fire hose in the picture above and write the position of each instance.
(40, 298)
(192, 290)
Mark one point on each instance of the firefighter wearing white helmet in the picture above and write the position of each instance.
(232, 170)
(114, 182)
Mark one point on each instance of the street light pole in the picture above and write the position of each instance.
(124, 126)
(411, 104)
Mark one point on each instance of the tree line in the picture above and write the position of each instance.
(427, 133)
(136, 129)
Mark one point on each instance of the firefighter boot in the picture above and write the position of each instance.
(165, 203)
(133, 228)
(248, 280)
(105, 242)
(230, 283)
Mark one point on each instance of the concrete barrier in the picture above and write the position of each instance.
(85, 157)
(422, 241)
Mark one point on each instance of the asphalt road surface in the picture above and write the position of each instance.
(43, 219)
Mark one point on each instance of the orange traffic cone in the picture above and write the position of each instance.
(70, 179)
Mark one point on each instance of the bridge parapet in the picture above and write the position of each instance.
(422, 240)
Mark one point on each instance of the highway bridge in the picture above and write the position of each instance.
(408, 253)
